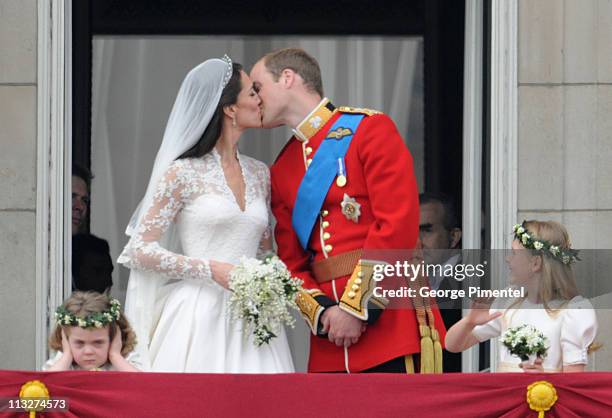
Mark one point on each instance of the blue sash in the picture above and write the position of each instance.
(320, 176)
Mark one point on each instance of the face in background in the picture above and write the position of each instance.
(248, 105)
(436, 239)
(80, 203)
(89, 346)
(272, 95)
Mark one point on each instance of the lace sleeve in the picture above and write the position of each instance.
(144, 251)
(266, 243)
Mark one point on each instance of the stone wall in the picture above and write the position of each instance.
(565, 145)
(18, 45)
(565, 125)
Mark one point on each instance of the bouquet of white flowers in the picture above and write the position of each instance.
(262, 293)
(526, 342)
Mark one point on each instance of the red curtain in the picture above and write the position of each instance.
(115, 394)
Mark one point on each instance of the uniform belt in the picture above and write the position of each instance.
(336, 266)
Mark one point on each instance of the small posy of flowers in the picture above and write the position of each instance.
(95, 320)
(263, 292)
(566, 256)
(524, 341)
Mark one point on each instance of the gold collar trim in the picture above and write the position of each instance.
(314, 121)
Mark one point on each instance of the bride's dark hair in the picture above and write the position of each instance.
(211, 135)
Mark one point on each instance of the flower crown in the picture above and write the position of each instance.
(566, 256)
(95, 320)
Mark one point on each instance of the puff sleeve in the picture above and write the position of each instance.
(578, 330)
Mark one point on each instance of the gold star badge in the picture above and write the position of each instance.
(350, 208)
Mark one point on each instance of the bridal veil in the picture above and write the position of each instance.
(191, 113)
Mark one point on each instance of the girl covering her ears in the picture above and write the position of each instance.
(92, 334)
(540, 261)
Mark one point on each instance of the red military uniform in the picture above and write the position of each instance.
(380, 179)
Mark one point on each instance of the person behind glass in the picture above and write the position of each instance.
(92, 334)
(440, 237)
(92, 266)
(81, 186)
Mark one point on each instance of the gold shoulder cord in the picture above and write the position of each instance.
(431, 347)
(369, 112)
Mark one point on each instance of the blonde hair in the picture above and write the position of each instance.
(298, 60)
(82, 304)
(557, 279)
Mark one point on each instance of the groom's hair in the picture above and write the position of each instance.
(298, 60)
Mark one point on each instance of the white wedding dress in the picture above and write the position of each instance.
(193, 331)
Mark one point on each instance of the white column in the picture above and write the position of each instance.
(504, 138)
(472, 144)
(53, 164)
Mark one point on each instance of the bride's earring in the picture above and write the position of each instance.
(234, 121)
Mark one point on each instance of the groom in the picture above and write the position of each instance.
(344, 183)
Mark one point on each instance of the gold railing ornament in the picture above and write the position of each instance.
(34, 389)
(541, 396)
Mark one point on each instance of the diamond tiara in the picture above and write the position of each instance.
(229, 71)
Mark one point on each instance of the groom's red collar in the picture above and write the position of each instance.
(315, 120)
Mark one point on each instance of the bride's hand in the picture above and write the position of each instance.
(221, 272)
(479, 312)
(536, 367)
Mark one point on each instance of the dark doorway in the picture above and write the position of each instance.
(440, 22)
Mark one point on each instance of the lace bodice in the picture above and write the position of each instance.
(194, 195)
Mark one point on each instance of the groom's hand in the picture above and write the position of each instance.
(342, 329)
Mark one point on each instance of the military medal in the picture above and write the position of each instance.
(341, 178)
(350, 208)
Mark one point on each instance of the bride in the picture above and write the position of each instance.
(205, 207)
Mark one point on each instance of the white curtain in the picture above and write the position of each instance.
(135, 81)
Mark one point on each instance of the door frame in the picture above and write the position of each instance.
(54, 139)
(53, 142)
(503, 136)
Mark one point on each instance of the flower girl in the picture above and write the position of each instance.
(91, 334)
(551, 314)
